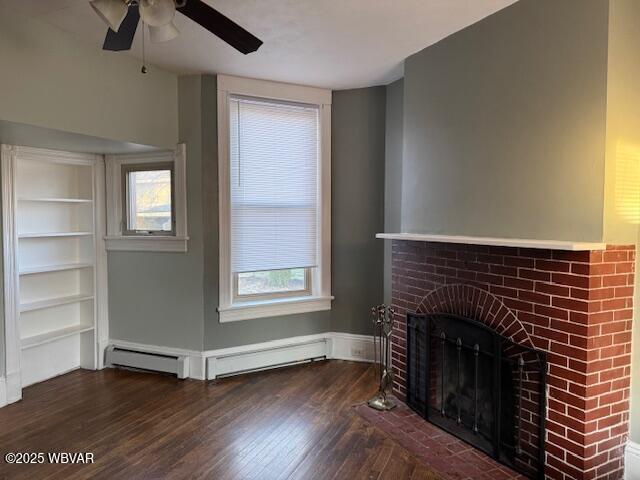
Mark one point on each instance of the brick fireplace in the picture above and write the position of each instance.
(574, 305)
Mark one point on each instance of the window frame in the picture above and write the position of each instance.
(317, 297)
(126, 205)
(118, 238)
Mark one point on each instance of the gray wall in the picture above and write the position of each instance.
(622, 201)
(357, 214)
(392, 174)
(216, 334)
(51, 79)
(157, 298)
(53, 85)
(504, 125)
(357, 211)
(622, 210)
(171, 299)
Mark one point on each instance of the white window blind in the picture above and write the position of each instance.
(274, 153)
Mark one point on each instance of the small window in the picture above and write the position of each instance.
(148, 206)
(147, 201)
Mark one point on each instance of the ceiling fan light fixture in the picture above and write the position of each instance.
(163, 33)
(112, 12)
(157, 13)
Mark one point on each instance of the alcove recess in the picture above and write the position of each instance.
(55, 244)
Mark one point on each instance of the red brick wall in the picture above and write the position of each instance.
(576, 306)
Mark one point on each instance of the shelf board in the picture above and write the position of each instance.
(55, 268)
(47, 337)
(53, 302)
(54, 234)
(55, 200)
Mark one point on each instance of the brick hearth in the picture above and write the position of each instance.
(576, 306)
(444, 454)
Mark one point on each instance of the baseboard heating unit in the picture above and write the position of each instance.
(156, 362)
(238, 362)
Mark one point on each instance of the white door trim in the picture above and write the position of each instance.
(92, 343)
(100, 268)
(10, 260)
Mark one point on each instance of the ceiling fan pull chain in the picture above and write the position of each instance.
(144, 53)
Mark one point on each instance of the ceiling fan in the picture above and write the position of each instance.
(123, 17)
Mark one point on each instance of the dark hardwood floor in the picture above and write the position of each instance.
(293, 423)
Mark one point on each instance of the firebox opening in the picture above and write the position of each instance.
(487, 390)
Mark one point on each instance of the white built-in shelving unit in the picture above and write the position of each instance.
(53, 243)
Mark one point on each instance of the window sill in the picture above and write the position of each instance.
(146, 243)
(273, 308)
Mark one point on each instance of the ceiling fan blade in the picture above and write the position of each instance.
(123, 38)
(221, 26)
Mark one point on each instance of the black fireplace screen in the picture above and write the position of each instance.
(479, 386)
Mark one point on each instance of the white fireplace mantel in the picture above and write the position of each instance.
(502, 242)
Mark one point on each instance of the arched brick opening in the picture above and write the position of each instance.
(472, 302)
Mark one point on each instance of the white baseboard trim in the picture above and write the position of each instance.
(198, 367)
(102, 348)
(13, 387)
(349, 346)
(3, 392)
(10, 389)
(632, 461)
(211, 364)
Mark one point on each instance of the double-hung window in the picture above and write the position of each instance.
(274, 199)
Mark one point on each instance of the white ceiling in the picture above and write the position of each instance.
(327, 43)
